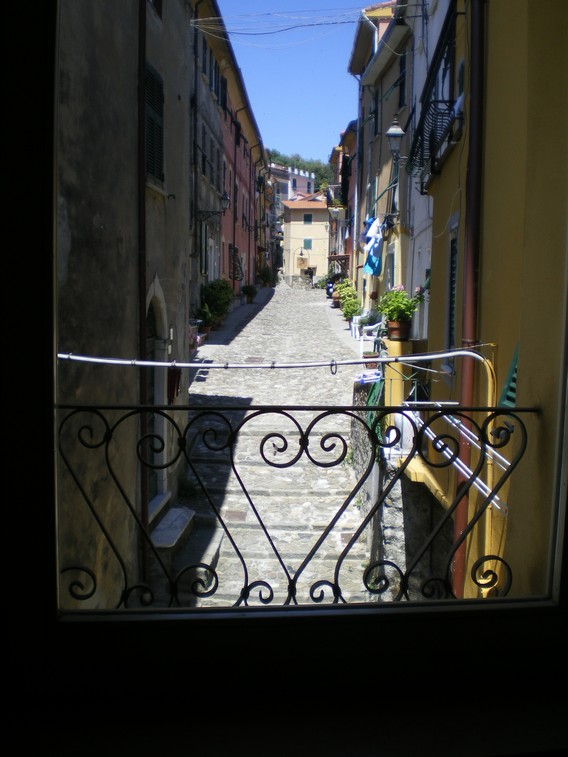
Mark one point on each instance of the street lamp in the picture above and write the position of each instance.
(203, 215)
(394, 136)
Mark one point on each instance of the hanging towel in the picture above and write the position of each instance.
(373, 228)
(373, 265)
(374, 262)
(364, 231)
(377, 248)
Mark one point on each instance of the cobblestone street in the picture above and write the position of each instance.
(277, 515)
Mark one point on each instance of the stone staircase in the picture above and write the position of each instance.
(295, 505)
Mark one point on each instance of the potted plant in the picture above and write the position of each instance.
(266, 276)
(206, 317)
(369, 320)
(370, 358)
(350, 308)
(398, 307)
(249, 290)
(218, 296)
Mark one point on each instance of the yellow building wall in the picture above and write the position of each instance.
(522, 266)
(542, 39)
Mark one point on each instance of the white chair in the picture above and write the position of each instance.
(371, 334)
(355, 323)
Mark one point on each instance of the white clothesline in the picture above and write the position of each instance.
(332, 364)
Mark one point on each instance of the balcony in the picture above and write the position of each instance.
(440, 126)
(279, 506)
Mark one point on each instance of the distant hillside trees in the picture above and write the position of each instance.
(323, 171)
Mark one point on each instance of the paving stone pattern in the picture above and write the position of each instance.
(277, 527)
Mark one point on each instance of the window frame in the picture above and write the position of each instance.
(154, 119)
(96, 663)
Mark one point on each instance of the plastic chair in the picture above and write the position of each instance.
(355, 323)
(371, 334)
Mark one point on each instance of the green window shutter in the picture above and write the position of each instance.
(509, 394)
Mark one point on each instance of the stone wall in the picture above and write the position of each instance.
(408, 515)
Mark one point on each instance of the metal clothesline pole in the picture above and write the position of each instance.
(333, 364)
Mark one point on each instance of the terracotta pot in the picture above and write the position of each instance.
(370, 356)
(398, 331)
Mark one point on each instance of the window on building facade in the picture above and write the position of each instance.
(154, 94)
(154, 114)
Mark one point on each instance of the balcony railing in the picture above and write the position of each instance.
(275, 506)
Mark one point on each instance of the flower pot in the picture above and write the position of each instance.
(398, 331)
(369, 356)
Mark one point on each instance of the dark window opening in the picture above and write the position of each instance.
(154, 93)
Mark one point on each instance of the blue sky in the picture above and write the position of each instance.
(289, 52)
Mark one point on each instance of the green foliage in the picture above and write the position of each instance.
(322, 171)
(204, 315)
(347, 293)
(249, 289)
(397, 305)
(344, 286)
(218, 296)
(266, 276)
(370, 320)
(351, 307)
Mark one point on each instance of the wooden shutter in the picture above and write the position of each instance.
(509, 394)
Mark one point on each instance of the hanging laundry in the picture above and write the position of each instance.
(373, 265)
(377, 248)
(364, 232)
(374, 262)
(374, 228)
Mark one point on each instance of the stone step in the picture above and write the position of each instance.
(157, 508)
(171, 533)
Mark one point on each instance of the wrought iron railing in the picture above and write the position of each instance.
(276, 506)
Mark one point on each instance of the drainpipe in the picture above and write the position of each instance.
(142, 384)
(471, 261)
